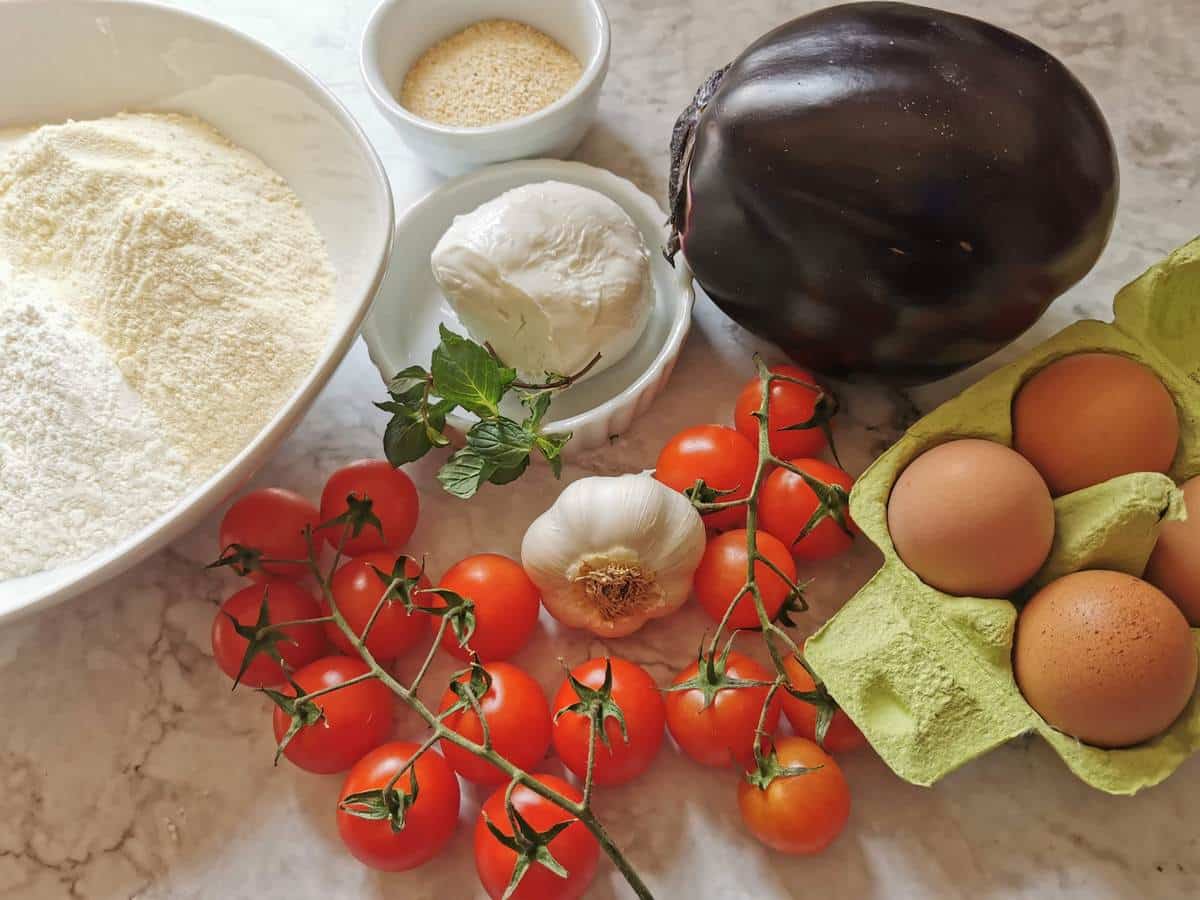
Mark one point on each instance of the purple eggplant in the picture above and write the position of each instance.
(889, 189)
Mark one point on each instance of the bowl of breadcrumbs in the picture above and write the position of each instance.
(474, 82)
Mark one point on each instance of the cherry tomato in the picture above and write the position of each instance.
(720, 456)
(799, 814)
(355, 719)
(574, 848)
(518, 719)
(790, 404)
(721, 733)
(787, 503)
(637, 697)
(393, 500)
(429, 822)
(722, 574)
(506, 605)
(286, 602)
(842, 735)
(272, 521)
(357, 589)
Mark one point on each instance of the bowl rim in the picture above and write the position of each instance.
(372, 76)
(623, 191)
(186, 512)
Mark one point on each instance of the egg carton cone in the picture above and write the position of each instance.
(927, 676)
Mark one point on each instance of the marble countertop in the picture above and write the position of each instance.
(128, 770)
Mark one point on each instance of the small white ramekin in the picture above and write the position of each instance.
(399, 31)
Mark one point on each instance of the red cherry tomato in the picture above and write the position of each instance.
(574, 848)
(799, 814)
(842, 735)
(355, 719)
(393, 500)
(721, 733)
(637, 697)
(790, 404)
(357, 589)
(720, 456)
(429, 822)
(506, 605)
(286, 602)
(272, 521)
(787, 503)
(518, 719)
(722, 574)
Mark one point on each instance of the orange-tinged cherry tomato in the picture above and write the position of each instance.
(574, 848)
(429, 822)
(518, 719)
(842, 736)
(394, 502)
(355, 719)
(286, 602)
(721, 733)
(719, 456)
(722, 574)
(798, 814)
(357, 589)
(790, 404)
(272, 521)
(637, 697)
(787, 503)
(506, 605)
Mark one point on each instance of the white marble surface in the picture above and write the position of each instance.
(128, 770)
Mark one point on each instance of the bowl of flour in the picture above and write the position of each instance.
(189, 242)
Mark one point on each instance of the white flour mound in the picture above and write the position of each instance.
(203, 292)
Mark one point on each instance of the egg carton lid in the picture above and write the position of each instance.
(927, 676)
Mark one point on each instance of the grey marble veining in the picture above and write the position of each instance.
(128, 770)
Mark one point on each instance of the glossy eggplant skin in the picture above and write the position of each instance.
(892, 190)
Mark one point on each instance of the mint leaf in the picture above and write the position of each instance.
(538, 405)
(405, 439)
(464, 472)
(502, 442)
(504, 476)
(551, 447)
(409, 385)
(467, 375)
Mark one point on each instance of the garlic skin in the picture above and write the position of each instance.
(613, 553)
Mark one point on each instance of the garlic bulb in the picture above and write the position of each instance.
(613, 553)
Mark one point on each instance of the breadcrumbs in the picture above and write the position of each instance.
(489, 72)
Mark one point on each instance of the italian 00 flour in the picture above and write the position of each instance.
(162, 292)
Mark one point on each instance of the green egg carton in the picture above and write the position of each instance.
(928, 676)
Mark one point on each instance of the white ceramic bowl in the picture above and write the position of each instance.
(83, 59)
(398, 33)
(402, 328)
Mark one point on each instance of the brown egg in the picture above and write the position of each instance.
(1093, 416)
(1105, 657)
(1174, 566)
(971, 517)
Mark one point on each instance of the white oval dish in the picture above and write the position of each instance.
(142, 57)
(399, 31)
(402, 328)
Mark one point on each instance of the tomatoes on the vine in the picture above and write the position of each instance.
(429, 816)
(506, 606)
(394, 502)
(357, 588)
(272, 522)
(722, 575)
(842, 735)
(298, 645)
(714, 721)
(632, 697)
(518, 720)
(574, 848)
(791, 404)
(352, 720)
(800, 813)
(723, 459)
(787, 503)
